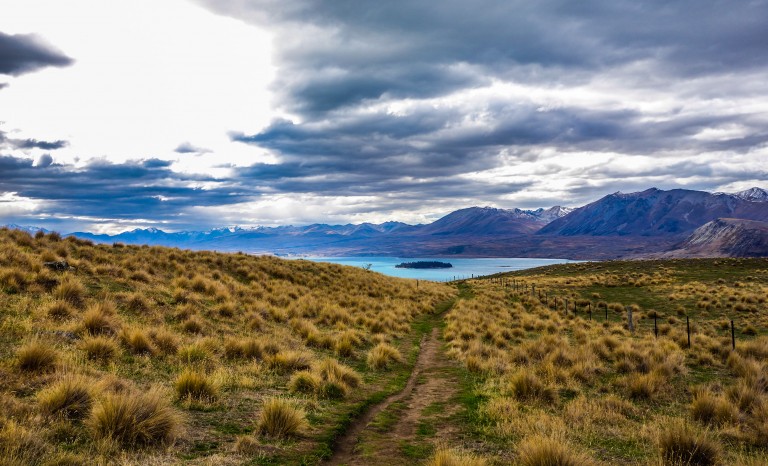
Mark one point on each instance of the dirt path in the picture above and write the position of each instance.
(405, 427)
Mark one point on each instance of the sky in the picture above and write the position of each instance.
(196, 114)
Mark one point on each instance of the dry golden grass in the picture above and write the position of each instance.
(382, 356)
(36, 356)
(280, 418)
(21, 446)
(543, 451)
(196, 386)
(135, 419)
(681, 444)
(557, 388)
(217, 334)
(71, 397)
(100, 348)
(445, 456)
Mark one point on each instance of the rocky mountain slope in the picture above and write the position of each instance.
(725, 237)
(654, 212)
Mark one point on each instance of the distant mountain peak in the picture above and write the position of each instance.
(654, 212)
(753, 194)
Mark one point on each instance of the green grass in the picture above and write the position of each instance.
(425, 428)
(387, 418)
(416, 451)
(433, 408)
(611, 447)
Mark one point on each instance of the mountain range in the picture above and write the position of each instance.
(650, 223)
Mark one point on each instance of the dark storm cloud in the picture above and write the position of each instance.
(24, 53)
(337, 53)
(7, 142)
(102, 189)
(34, 143)
(342, 64)
(425, 144)
(151, 189)
(318, 92)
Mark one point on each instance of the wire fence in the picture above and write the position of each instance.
(634, 320)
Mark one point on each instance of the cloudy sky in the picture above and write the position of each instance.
(191, 114)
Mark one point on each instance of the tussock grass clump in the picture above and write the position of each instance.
(13, 281)
(98, 320)
(544, 451)
(289, 361)
(333, 388)
(70, 290)
(327, 379)
(329, 368)
(243, 348)
(444, 456)
(226, 309)
(527, 386)
(280, 418)
(70, 397)
(256, 322)
(644, 386)
(135, 419)
(746, 396)
(137, 341)
(194, 353)
(713, 410)
(382, 356)
(304, 382)
(199, 284)
(100, 348)
(165, 341)
(247, 445)
(135, 302)
(36, 356)
(195, 386)
(680, 444)
(192, 325)
(344, 346)
(59, 310)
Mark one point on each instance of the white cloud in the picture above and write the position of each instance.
(147, 76)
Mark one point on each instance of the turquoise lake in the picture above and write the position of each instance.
(462, 268)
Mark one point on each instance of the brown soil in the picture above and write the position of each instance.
(407, 425)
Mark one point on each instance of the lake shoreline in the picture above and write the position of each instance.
(463, 268)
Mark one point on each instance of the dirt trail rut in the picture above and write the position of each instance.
(405, 426)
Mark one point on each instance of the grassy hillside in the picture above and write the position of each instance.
(153, 355)
(576, 388)
(139, 355)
